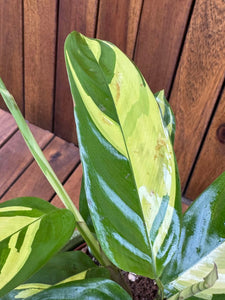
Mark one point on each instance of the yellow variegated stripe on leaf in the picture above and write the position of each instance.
(201, 269)
(30, 289)
(14, 223)
(108, 127)
(17, 258)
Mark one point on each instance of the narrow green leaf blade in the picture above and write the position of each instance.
(202, 242)
(127, 156)
(29, 236)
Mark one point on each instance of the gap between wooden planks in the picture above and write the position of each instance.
(20, 174)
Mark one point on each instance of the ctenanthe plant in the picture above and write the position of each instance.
(130, 202)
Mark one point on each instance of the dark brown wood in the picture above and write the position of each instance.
(72, 186)
(11, 49)
(118, 23)
(62, 156)
(211, 161)
(73, 15)
(39, 48)
(7, 126)
(15, 156)
(160, 36)
(198, 80)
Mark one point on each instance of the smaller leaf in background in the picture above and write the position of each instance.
(198, 287)
(95, 289)
(202, 243)
(166, 113)
(62, 266)
(27, 290)
(29, 236)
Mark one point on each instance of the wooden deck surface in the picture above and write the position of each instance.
(20, 174)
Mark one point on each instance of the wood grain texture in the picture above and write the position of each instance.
(11, 49)
(15, 156)
(159, 40)
(73, 15)
(118, 23)
(198, 80)
(39, 49)
(62, 156)
(211, 161)
(72, 186)
(7, 126)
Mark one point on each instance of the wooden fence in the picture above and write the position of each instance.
(179, 45)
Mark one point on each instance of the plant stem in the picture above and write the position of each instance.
(161, 289)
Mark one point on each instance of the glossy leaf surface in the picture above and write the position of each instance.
(202, 243)
(84, 289)
(62, 266)
(29, 236)
(32, 288)
(127, 156)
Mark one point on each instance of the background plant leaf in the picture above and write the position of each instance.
(202, 242)
(84, 289)
(29, 236)
(127, 157)
(166, 113)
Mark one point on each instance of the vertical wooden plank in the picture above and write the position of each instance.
(11, 49)
(211, 161)
(73, 15)
(118, 23)
(160, 35)
(39, 50)
(198, 80)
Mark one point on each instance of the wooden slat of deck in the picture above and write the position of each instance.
(73, 15)
(160, 36)
(211, 161)
(7, 126)
(198, 81)
(15, 156)
(72, 186)
(62, 156)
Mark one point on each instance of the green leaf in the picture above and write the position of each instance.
(198, 287)
(166, 113)
(27, 290)
(127, 156)
(84, 289)
(202, 243)
(62, 266)
(83, 207)
(29, 236)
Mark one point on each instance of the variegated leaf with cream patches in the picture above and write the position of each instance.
(127, 156)
(202, 243)
(29, 236)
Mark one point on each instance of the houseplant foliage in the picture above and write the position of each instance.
(130, 195)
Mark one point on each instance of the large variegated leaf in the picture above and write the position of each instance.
(202, 243)
(29, 235)
(127, 156)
